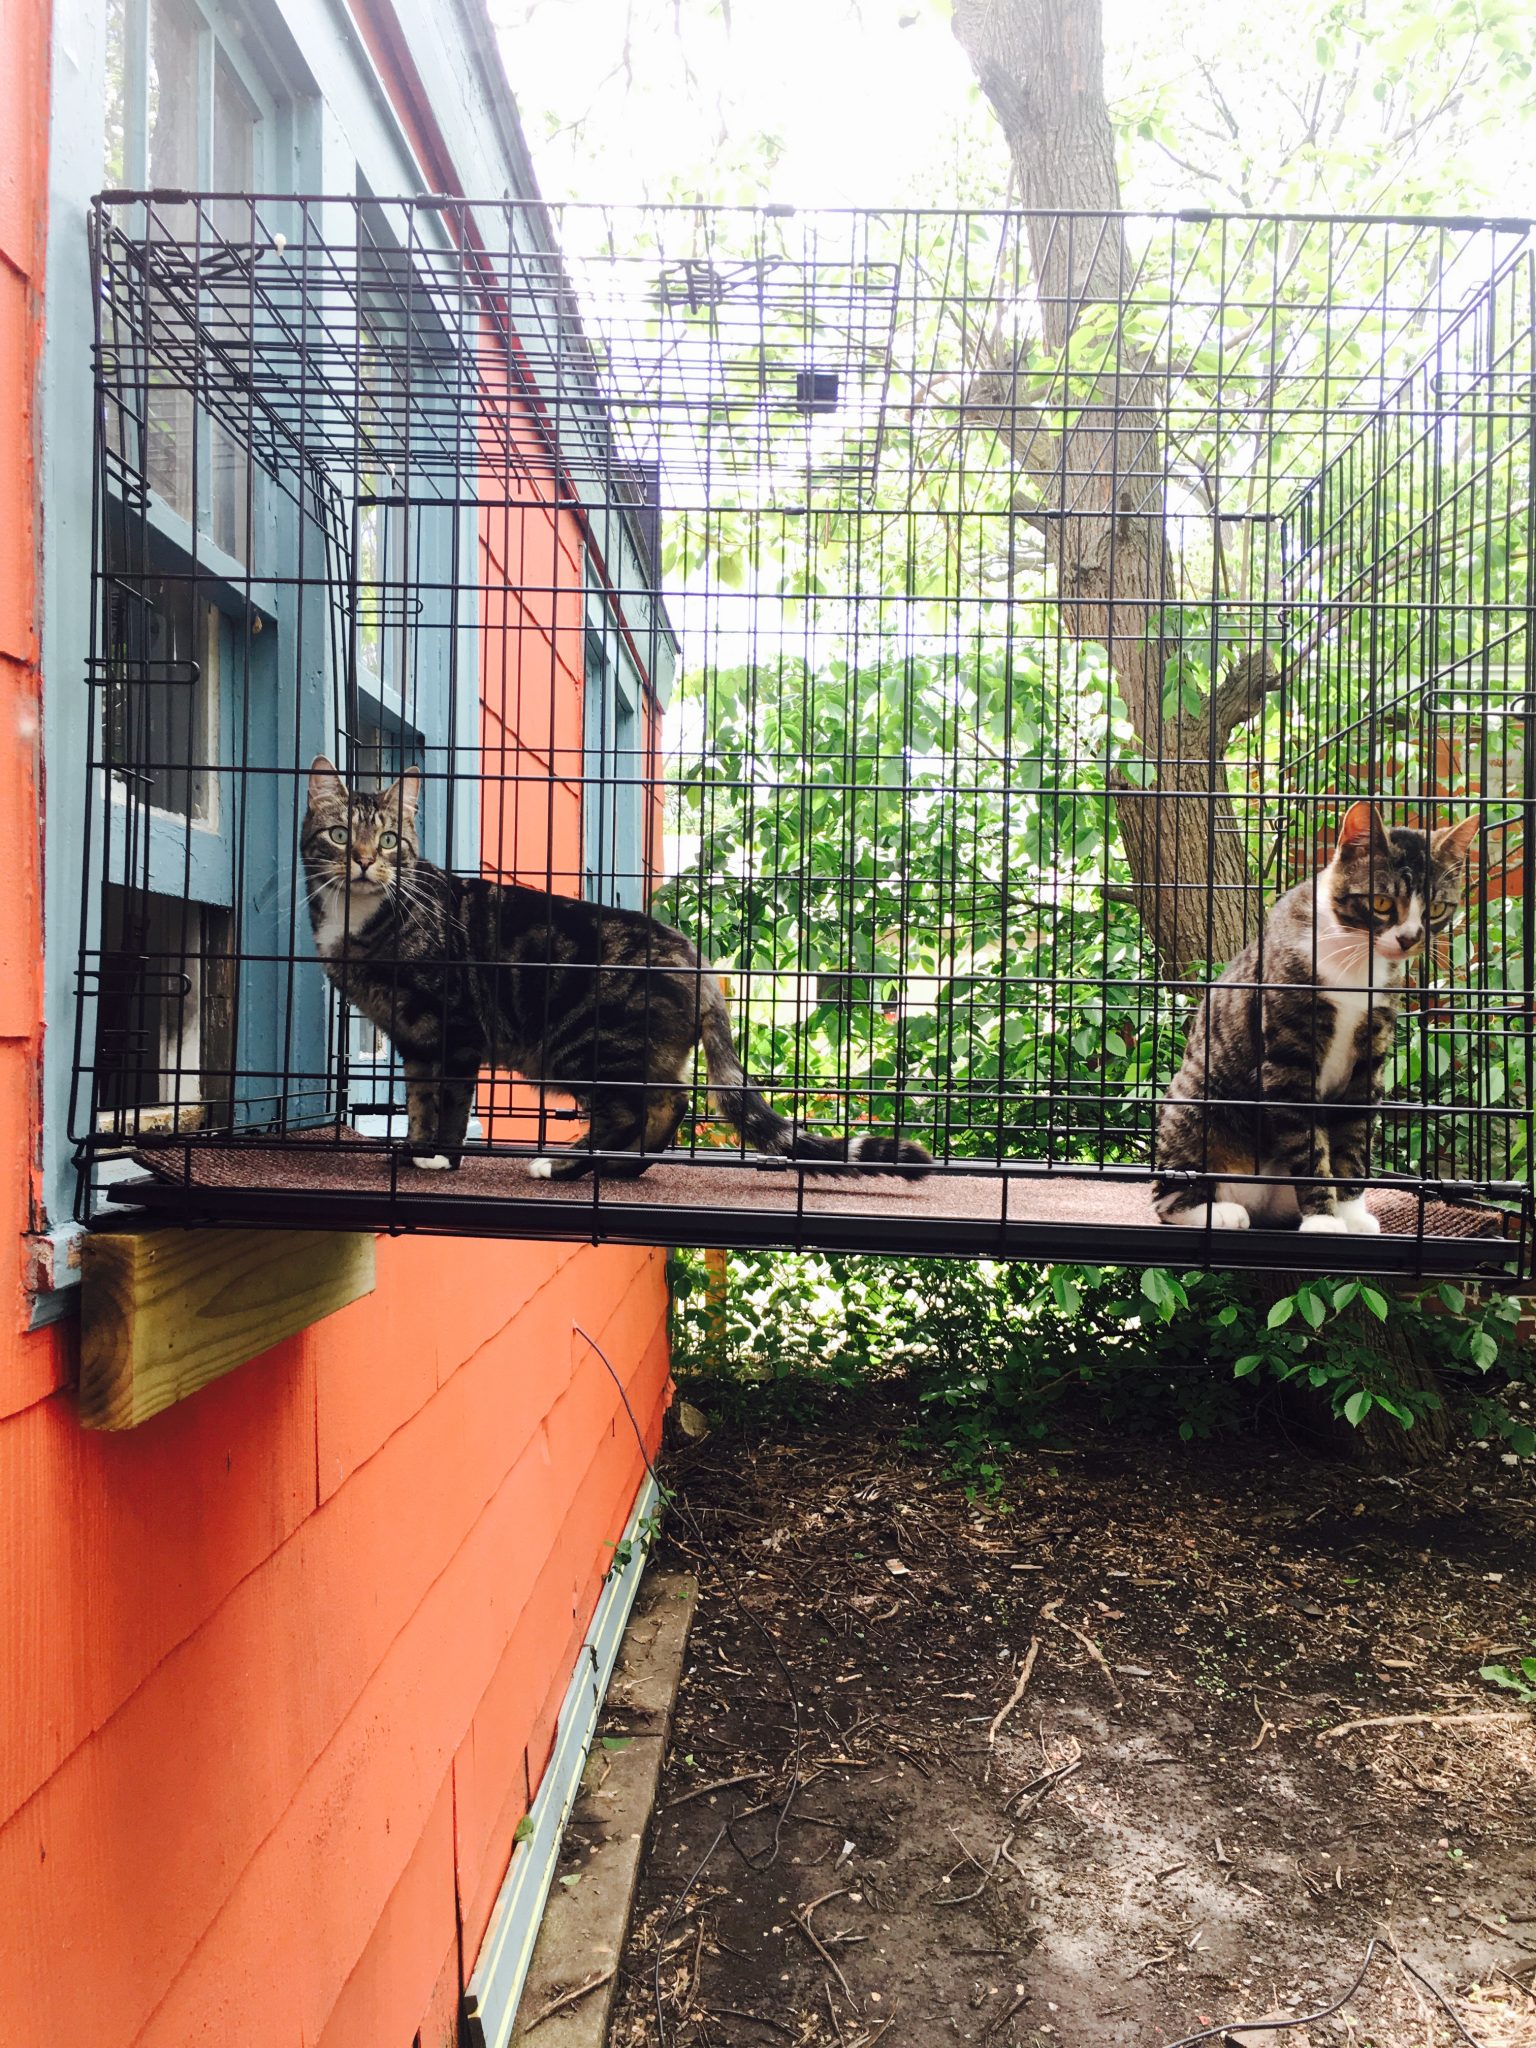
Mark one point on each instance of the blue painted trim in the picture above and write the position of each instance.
(501, 1970)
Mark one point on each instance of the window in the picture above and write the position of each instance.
(188, 628)
(164, 1014)
(164, 652)
(184, 112)
(614, 778)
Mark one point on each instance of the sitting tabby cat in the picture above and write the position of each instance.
(1285, 1052)
(605, 1005)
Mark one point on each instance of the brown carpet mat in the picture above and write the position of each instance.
(325, 1163)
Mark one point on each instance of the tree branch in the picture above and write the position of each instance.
(1241, 692)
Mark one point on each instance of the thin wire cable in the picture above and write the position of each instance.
(1377, 1945)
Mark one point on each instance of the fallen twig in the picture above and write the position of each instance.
(1042, 1787)
(1018, 1691)
(1048, 1613)
(1152, 1961)
(761, 2019)
(1457, 1720)
(801, 1915)
(996, 2026)
(567, 1998)
(1266, 1727)
(964, 1898)
(719, 1785)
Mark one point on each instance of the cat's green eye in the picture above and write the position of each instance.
(1382, 906)
(387, 839)
(338, 835)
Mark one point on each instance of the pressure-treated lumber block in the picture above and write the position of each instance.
(164, 1312)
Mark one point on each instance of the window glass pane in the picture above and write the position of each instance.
(115, 157)
(162, 692)
(173, 95)
(234, 151)
(234, 134)
(379, 537)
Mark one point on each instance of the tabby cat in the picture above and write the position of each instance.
(604, 1005)
(1285, 1052)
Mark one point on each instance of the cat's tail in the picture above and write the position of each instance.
(760, 1124)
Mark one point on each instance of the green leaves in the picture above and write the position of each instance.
(1519, 1679)
(1166, 1294)
(1068, 1295)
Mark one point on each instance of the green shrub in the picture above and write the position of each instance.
(991, 1355)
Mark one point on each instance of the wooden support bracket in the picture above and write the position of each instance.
(163, 1312)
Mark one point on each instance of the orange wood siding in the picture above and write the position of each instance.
(278, 1671)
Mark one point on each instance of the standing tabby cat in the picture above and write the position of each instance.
(604, 1005)
(1285, 1052)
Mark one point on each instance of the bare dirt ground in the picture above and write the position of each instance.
(868, 1832)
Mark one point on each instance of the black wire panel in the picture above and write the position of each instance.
(1040, 589)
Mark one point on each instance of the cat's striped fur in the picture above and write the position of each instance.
(1285, 1052)
(605, 1005)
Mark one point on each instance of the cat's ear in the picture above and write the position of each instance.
(401, 798)
(1455, 842)
(325, 783)
(1362, 825)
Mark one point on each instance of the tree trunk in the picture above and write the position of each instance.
(1092, 477)
(1096, 481)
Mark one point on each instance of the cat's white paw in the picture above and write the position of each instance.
(1333, 1226)
(434, 1162)
(1358, 1219)
(541, 1169)
(1228, 1216)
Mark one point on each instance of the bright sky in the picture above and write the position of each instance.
(863, 107)
(871, 102)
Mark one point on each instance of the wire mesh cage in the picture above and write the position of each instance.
(963, 627)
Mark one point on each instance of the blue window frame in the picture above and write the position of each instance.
(613, 767)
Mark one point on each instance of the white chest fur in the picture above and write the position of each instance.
(343, 912)
(1349, 1009)
(1350, 980)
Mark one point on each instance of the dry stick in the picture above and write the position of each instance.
(719, 1785)
(964, 1898)
(1018, 1691)
(760, 2019)
(1048, 1613)
(837, 2025)
(1042, 1788)
(1432, 1720)
(567, 1998)
(801, 1915)
(1510, 1978)
(1003, 2018)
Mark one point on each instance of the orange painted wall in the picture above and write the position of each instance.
(278, 1670)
